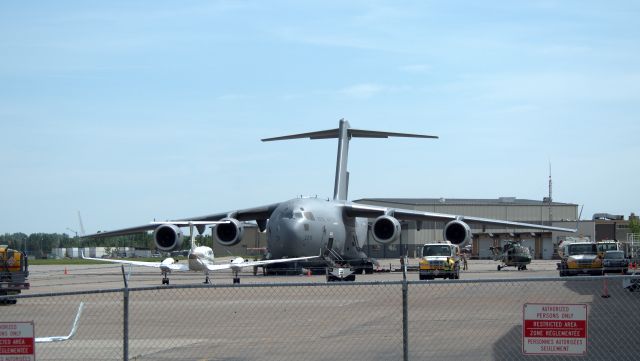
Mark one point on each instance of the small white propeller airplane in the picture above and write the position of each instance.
(200, 258)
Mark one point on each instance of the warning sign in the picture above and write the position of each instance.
(16, 341)
(554, 329)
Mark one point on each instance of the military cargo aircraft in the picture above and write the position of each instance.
(302, 226)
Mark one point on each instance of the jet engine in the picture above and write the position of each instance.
(167, 237)
(229, 234)
(385, 229)
(457, 232)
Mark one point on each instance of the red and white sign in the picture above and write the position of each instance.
(554, 329)
(16, 341)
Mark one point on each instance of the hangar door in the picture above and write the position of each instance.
(483, 248)
(547, 248)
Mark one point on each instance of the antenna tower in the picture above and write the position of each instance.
(550, 196)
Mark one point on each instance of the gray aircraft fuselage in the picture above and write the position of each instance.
(304, 226)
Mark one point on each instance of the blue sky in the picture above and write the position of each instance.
(130, 111)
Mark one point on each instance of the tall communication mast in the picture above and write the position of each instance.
(81, 225)
(550, 199)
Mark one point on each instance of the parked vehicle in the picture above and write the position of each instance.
(579, 258)
(440, 260)
(14, 270)
(614, 261)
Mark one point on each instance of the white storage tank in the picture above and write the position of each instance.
(73, 252)
(59, 252)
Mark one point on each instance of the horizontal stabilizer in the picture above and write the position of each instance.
(352, 133)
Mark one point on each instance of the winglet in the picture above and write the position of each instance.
(74, 328)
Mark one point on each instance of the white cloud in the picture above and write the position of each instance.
(362, 91)
(416, 68)
(231, 97)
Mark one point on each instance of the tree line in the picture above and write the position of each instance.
(40, 245)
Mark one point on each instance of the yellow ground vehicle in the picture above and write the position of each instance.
(14, 271)
(579, 258)
(439, 260)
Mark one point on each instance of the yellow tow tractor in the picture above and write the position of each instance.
(440, 260)
(14, 271)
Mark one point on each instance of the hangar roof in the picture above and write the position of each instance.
(464, 201)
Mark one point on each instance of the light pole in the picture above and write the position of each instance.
(78, 239)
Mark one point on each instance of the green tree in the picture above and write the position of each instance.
(634, 226)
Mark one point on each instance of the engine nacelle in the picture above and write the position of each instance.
(167, 237)
(229, 234)
(457, 232)
(385, 229)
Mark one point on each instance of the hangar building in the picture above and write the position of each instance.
(541, 243)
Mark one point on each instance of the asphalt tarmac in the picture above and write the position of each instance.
(105, 276)
(308, 319)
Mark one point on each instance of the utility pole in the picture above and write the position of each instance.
(550, 197)
(76, 237)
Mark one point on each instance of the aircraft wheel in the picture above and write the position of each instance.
(236, 280)
(499, 267)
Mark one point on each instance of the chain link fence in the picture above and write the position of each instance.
(443, 320)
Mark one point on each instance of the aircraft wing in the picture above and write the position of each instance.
(365, 210)
(217, 267)
(163, 264)
(248, 214)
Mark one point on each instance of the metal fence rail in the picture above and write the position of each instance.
(445, 320)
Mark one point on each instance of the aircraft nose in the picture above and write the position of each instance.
(288, 238)
(293, 230)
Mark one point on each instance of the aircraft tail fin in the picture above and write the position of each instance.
(344, 133)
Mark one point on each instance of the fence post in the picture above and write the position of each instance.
(405, 311)
(125, 318)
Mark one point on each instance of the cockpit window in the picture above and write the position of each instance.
(297, 215)
(309, 216)
(431, 250)
(287, 213)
